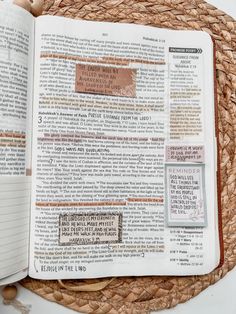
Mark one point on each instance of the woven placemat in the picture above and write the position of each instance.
(144, 294)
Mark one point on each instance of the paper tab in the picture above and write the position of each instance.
(185, 195)
(105, 80)
(90, 228)
(184, 153)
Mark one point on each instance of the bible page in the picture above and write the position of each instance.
(16, 67)
(115, 105)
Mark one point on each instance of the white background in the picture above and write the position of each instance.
(219, 298)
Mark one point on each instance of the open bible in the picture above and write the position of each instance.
(108, 149)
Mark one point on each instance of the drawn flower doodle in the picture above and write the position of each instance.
(198, 212)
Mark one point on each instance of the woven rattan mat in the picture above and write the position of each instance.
(144, 294)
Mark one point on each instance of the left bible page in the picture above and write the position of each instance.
(16, 81)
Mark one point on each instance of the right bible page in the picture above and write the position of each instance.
(124, 166)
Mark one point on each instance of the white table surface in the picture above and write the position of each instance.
(219, 298)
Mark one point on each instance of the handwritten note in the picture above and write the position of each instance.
(105, 80)
(93, 228)
(185, 197)
(184, 153)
